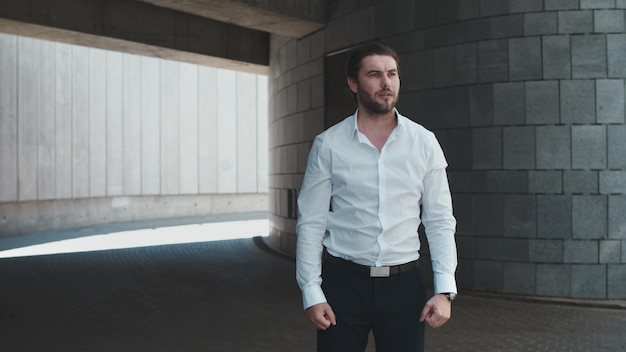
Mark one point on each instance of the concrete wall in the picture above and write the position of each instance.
(90, 136)
(527, 99)
(296, 116)
(140, 28)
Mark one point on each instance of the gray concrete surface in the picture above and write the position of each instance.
(236, 295)
(291, 19)
(141, 28)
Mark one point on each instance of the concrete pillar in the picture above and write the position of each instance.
(527, 99)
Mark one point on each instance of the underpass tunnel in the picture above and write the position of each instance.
(526, 98)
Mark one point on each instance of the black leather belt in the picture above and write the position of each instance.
(372, 271)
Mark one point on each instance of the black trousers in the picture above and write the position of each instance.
(389, 307)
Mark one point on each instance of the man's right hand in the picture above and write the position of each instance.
(321, 315)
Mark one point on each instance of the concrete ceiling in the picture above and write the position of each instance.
(294, 18)
(231, 34)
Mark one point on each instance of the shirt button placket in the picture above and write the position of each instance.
(381, 206)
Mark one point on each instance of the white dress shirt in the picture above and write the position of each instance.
(364, 205)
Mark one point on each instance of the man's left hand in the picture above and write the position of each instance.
(436, 311)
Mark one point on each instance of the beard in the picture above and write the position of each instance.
(374, 107)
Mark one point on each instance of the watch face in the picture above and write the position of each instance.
(451, 296)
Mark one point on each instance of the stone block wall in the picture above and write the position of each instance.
(296, 116)
(527, 99)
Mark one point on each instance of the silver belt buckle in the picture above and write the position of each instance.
(379, 271)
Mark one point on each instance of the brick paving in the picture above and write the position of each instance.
(236, 296)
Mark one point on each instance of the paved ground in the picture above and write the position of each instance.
(236, 296)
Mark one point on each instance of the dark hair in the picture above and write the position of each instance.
(353, 65)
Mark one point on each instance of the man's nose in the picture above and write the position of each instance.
(386, 82)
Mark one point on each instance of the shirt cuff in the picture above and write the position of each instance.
(312, 295)
(445, 283)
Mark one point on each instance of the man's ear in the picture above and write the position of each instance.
(352, 84)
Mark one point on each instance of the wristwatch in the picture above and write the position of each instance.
(451, 296)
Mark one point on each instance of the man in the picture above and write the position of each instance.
(367, 178)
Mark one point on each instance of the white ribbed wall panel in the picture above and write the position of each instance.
(78, 122)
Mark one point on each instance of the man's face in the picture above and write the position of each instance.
(378, 85)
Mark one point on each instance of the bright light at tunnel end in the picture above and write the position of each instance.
(215, 231)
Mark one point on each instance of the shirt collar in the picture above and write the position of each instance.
(354, 131)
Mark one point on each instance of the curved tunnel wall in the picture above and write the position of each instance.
(527, 99)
